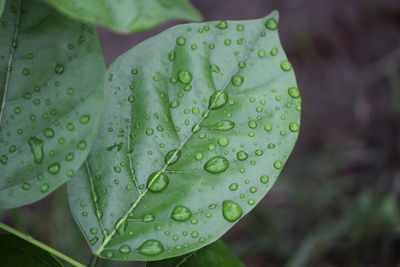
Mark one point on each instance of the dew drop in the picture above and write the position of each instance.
(231, 210)
(172, 156)
(151, 248)
(181, 213)
(36, 145)
(223, 141)
(222, 25)
(218, 99)
(241, 155)
(59, 69)
(124, 249)
(48, 132)
(278, 164)
(294, 92)
(224, 125)
(216, 164)
(237, 80)
(286, 65)
(54, 168)
(271, 24)
(185, 76)
(181, 40)
(294, 127)
(157, 182)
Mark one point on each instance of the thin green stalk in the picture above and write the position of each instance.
(41, 245)
(93, 261)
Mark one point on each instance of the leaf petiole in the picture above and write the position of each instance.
(41, 245)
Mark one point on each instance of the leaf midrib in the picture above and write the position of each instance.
(13, 48)
(143, 193)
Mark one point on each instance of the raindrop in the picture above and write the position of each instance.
(224, 125)
(181, 213)
(172, 156)
(37, 149)
(124, 249)
(218, 99)
(286, 65)
(241, 155)
(294, 92)
(151, 248)
(59, 69)
(216, 164)
(271, 24)
(222, 25)
(157, 182)
(185, 76)
(231, 210)
(294, 127)
(278, 164)
(54, 168)
(237, 80)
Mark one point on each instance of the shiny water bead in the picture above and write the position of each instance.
(181, 213)
(157, 182)
(36, 146)
(294, 127)
(231, 210)
(181, 40)
(218, 99)
(216, 164)
(273, 51)
(271, 24)
(241, 155)
(224, 125)
(184, 76)
(294, 92)
(54, 168)
(172, 156)
(222, 25)
(286, 65)
(59, 69)
(264, 179)
(151, 247)
(124, 249)
(237, 80)
(278, 164)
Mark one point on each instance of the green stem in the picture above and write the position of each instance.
(41, 245)
(93, 261)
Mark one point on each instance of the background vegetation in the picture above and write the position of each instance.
(337, 201)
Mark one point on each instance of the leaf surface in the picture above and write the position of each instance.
(16, 252)
(216, 254)
(126, 15)
(198, 125)
(50, 97)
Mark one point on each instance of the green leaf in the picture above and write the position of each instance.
(205, 116)
(126, 15)
(216, 254)
(50, 95)
(17, 252)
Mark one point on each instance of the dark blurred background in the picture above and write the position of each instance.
(337, 201)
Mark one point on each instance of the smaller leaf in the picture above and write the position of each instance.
(17, 252)
(216, 254)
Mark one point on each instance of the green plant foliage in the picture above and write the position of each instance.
(51, 97)
(17, 252)
(199, 123)
(126, 15)
(216, 254)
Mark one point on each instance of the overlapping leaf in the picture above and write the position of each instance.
(16, 252)
(199, 123)
(126, 15)
(2, 4)
(216, 254)
(50, 96)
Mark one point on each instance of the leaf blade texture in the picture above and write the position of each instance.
(198, 126)
(127, 15)
(50, 100)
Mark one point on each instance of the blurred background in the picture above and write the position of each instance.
(337, 201)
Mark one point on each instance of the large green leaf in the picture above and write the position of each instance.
(50, 95)
(17, 252)
(126, 15)
(205, 115)
(216, 254)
